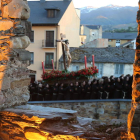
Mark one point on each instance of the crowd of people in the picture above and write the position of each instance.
(104, 88)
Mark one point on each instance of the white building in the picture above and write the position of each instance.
(109, 61)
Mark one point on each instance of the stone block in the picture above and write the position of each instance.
(20, 83)
(27, 26)
(123, 106)
(2, 98)
(20, 42)
(6, 83)
(100, 111)
(23, 55)
(6, 24)
(4, 136)
(17, 9)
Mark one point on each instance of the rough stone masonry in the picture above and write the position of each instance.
(14, 59)
(134, 114)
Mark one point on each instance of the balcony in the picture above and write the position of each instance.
(46, 44)
(48, 66)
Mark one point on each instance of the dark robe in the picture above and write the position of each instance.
(112, 89)
(76, 93)
(102, 94)
(94, 91)
(118, 91)
(32, 91)
(107, 90)
(54, 92)
(60, 93)
(47, 94)
(88, 91)
(83, 92)
(69, 93)
(40, 94)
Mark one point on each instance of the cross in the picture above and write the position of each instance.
(63, 48)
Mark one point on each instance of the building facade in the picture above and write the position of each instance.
(89, 33)
(50, 19)
(117, 39)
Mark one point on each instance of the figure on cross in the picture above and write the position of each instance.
(65, 50)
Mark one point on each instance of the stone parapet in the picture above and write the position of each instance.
(15, 31)
(45, 123)
(102, 110)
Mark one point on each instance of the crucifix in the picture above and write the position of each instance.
(63, 48)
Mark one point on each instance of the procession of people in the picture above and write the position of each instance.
(104, 88)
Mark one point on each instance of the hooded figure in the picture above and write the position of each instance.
(69, 92)
(61, 92)
(94, 90)
(47, 93)
(76, 91)
(118, 89)
(55, 91)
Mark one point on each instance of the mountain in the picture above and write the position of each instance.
(110, 15)
(87, 9)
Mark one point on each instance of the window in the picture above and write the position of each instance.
(32, 58)
(109, 40)
(51, 13)
(75, 68)
(100, 69)
(32, 36)
(48, 60)
(119, 70)
(49, 39)
(118, 43)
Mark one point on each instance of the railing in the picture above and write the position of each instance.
(48, 66)
(80, 101)
(46, 44)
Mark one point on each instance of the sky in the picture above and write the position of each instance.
(101, 3)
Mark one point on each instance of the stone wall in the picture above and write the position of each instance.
(102, 110)
(29, 122)
(14, 59)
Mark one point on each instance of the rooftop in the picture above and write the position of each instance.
(103, 55)
(38, 14)
(93, 26)
(120, 36)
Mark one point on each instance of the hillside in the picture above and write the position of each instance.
(110, 16)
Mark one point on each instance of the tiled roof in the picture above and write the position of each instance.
(38, 14)
(103, 55)
(93, 26)
(119, 36)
